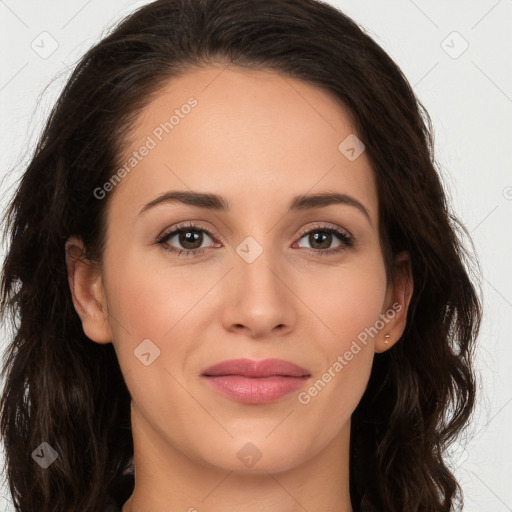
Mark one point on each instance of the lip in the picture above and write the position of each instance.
(256, 382)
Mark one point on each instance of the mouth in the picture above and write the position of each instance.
(256, 382)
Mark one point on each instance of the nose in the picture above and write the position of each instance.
(259, 297)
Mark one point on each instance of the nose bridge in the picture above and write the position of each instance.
(259, 298)
(258, 264)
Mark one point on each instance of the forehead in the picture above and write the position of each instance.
(243, 133)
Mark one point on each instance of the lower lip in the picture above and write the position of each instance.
(255, 390)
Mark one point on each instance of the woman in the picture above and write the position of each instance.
(236, 278)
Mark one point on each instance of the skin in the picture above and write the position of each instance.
(257, 138)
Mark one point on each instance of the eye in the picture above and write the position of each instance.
(190, 237)
(321, 237)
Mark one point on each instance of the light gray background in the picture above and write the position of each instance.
(469, 96)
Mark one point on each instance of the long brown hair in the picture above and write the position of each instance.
(69, 392)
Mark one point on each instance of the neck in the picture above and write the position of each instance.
(166, 479)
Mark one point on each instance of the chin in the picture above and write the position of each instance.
(257, 456)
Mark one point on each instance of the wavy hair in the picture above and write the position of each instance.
(65, 390)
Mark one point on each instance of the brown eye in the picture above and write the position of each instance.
(186, 240)
(320, 240)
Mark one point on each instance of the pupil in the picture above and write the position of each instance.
(185, 238)
(317, 236)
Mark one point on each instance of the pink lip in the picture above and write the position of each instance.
(255, 382)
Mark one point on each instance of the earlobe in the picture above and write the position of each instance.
(87, 291)
(396, 304)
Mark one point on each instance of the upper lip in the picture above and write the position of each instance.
(255, 369)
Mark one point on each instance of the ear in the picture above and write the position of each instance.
(87, 291)
(396, 304)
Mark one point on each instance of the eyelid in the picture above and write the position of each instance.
(192, 225)
(322, 225)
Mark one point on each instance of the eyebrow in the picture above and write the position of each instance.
(219, 203)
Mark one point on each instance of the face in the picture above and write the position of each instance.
(257, 272)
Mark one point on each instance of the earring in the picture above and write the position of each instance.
(387, 338)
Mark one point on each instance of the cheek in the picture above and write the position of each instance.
(348, 300)
(331, 397)
(349, 304)
(151, 301)
(150, 310)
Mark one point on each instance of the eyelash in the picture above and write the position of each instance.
(345, 239)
